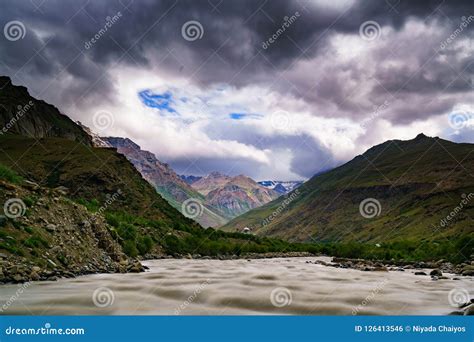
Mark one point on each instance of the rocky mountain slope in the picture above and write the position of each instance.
(233, 196)
(44, 235)
(22, 114)
(417, 189)
(163, 178)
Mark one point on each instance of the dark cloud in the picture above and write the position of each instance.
(409, 70)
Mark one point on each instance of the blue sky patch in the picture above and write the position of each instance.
(240, 116)
(158, 101)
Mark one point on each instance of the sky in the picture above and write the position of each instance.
(273, 89)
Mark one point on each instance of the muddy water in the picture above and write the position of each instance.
(214, 287)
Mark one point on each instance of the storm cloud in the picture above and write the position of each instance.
(345, 74)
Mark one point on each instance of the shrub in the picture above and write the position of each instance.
(9, 175)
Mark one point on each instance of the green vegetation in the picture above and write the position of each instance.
(9, 175)
(417, 183)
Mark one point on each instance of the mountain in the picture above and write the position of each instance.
(233, 196)
(163, 178)
(22, 114)
(282, 187)
(70, 208)
(190, 179)
(417, 189)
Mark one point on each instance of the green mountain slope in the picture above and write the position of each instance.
(418, 183)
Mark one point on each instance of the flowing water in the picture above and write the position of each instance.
(215, 287)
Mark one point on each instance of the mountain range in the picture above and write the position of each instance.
(282, 187)
(417, 189)
(220, 197)
(72, 208)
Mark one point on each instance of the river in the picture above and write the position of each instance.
(230, 287)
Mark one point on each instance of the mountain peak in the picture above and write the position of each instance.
(422, 136)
